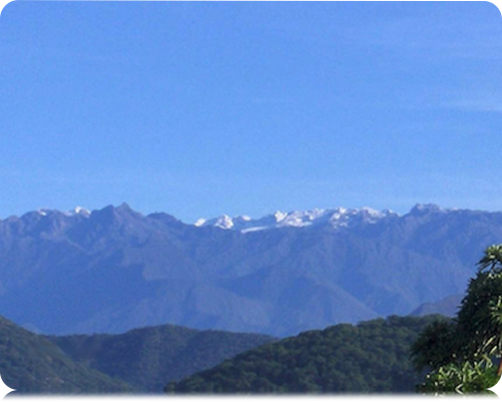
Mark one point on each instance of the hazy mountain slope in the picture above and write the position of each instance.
(372, 357)
(114, 269)
(30, 363)
(146, 357)
(447, 307)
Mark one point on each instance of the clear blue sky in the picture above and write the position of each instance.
(203, 108)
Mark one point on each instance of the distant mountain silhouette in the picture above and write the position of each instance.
(447, 307)
(114, 269)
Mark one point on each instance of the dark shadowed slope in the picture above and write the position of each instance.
(146, 357)
(31, 364)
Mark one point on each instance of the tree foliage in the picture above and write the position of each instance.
(148, 357)
(367, 358)
(31, 364)
(461, 353)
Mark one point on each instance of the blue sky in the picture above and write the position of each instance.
(199, 109)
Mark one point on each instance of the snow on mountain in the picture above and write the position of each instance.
(72, 212)
(78, 211)
(338, 217)
(134, 270)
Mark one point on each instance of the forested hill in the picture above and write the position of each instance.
(149, 357)
(141, 360)
(30, 363)
(372, 357)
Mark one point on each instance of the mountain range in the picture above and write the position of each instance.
(115, 269)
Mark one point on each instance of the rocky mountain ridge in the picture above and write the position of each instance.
(338, 217)
(115, 269)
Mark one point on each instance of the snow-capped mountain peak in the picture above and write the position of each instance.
(78, 211)
(338, 217)
(200, 222)
(72, 212)
(223, 222)
(280, 216)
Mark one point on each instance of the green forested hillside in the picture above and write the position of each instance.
(30, 363)
(373, 356)
(149, 357)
